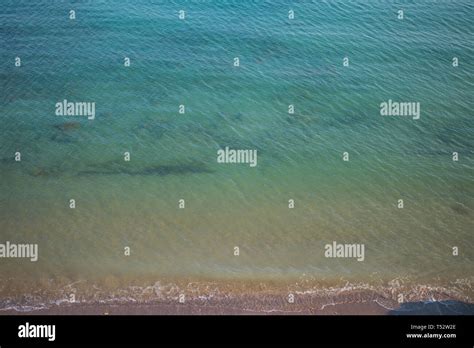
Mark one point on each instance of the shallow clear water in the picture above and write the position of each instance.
(173, 156)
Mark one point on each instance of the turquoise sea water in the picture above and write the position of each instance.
(173, 155)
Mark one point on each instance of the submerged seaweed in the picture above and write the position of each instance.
(160, 170)
(67, 126)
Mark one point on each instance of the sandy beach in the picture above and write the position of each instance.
(349, 300)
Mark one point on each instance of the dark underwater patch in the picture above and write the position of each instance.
(460, 209)
(67, 126)
(159, 170)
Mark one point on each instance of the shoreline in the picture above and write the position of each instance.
(206, 296)
(217, 308)
(174, 309)
(348, 301)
